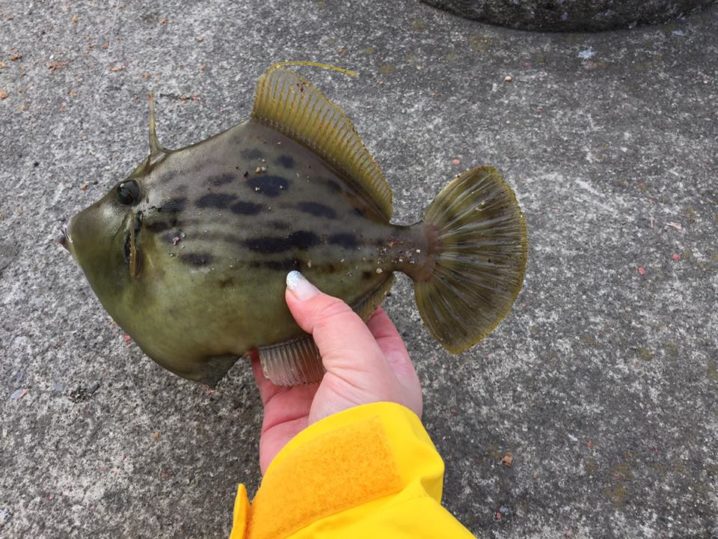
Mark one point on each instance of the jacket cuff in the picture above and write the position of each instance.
(347, 459)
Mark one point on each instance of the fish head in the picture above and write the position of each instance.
(125, 244)
(104, 240)
(111, 242)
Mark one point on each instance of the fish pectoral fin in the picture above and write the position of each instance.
(292, 105)
(292, 362)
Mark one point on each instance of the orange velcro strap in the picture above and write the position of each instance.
(329, 473)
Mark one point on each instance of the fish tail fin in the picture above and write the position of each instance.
(478, 245)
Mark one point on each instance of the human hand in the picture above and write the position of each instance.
(364, 363)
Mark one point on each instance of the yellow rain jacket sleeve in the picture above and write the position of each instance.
(367, 472)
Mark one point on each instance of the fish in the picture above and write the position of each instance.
(189, 253)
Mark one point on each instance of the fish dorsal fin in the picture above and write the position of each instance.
(292, 105)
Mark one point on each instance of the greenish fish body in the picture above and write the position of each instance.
(189, 254)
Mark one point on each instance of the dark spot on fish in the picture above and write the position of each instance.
(287, 161)
(197, 260)
(279, 225)
(346, 240)
(359, 211)
(303, 239)
(225, 282)
(167, 176)
(221, 179)
(215, 200)
(276, 244)
(173, 205)
(285, 265)
(366, 274)
(246, 174)
(252, 153)
(243, 207)
(317, 209)
(268, 244)
(157, 226)
(270, 186)
(334, 185)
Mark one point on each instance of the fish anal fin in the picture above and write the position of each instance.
(292, 362)
(293, 106)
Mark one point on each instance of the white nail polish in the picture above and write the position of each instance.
(300, 287)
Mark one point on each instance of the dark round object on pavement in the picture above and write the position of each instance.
(571, 15)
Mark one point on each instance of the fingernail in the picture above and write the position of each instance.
(300, 287)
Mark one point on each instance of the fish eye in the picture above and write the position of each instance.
(128, 192)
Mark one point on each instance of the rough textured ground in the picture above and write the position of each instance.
(602, 383)
(571, 15)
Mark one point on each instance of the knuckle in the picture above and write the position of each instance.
(333, 314)
(333, 311)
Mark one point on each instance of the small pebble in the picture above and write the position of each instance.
(5, 516)
(508, 78)
(18, 394)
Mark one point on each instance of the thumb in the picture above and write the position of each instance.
(344, 341)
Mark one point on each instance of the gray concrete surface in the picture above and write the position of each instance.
(571, 15)
(602, 382)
